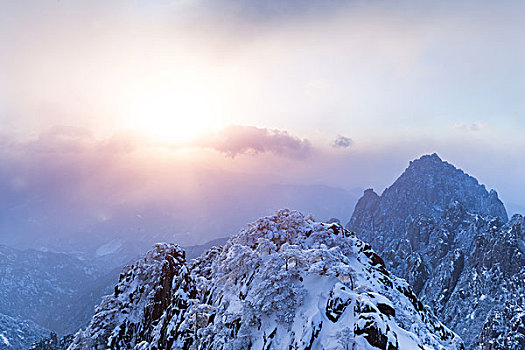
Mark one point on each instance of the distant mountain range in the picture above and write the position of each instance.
(219, 208)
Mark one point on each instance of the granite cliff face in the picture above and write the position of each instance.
(285, 282)
(450, 238)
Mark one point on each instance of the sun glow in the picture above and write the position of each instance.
(176, 111)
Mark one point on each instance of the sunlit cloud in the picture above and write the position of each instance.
(240, 139)
(69, 141)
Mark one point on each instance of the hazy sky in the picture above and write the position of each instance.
(342, 93)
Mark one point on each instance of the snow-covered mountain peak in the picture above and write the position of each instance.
(285, 281)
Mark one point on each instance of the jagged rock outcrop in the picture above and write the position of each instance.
(449, 237)
(140, 299)
(284, 282)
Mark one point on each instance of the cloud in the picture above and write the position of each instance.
(59, 164)
(71, 141)
(477, 126)
(255, 10)
(342, 142)
(241, 139)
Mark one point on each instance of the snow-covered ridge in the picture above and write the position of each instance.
(284, 282)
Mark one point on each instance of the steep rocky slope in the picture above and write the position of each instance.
(284, 282)
(449, 237)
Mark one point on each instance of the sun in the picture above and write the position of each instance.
(175, 112)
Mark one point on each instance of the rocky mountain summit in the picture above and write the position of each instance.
(284, 282)
(450, 238)
(426, 188)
